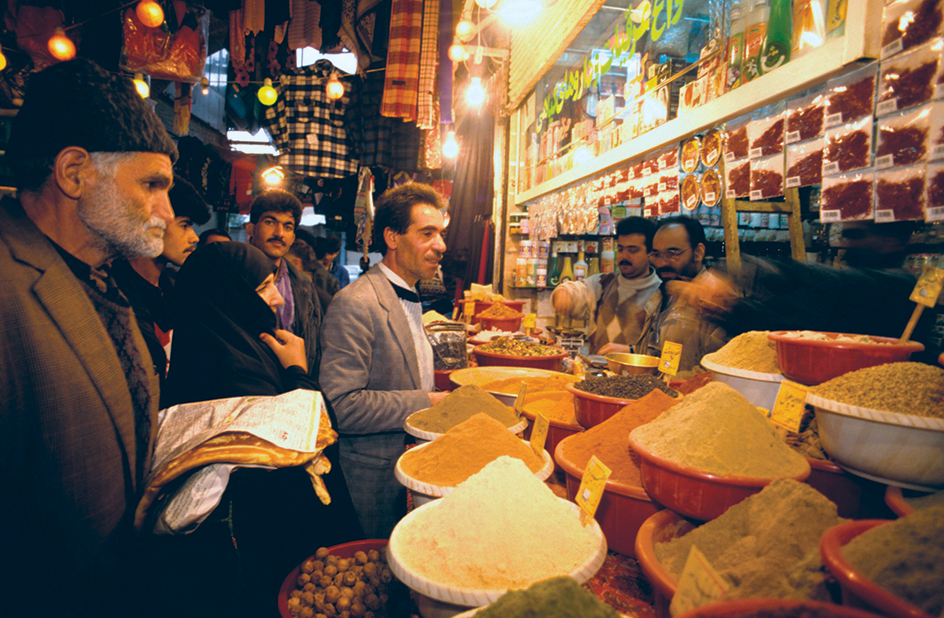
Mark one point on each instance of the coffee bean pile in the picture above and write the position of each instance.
(624, 387)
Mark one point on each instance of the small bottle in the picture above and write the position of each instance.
(607, 256)
(594, 268)
(532, 278)
(778, 39)
(553, 272)
(521, 264)
(580, 267)
(567, 273)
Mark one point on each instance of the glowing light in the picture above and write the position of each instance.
(450, 147)
(582, 155)
(519, 12)
(465, 30)
(3, 60)
(486, 4)
(334, 88)
(141, 86)
(267, 94)
(205, 85)
(457, 53)
(475, 95)
(273, 176)
(60, 46)
(150, 13)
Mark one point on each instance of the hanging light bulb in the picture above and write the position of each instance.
(486, 4)
(273, 176)
(475, 95)
(60, 46)
(465, 30)
(267, 94)
(204, 85)
(520, 12)
(3, 60)
(141, 86)
(150, 13)
(450, 147)
(334, 88)
(457, 53)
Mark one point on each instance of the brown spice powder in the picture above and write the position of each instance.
(459, 406)
(851, 199)
(850, 150)
(912, 86)
(809, 169)
(771, 140)
(853, 102)
(906, 145)
(905, 199)
(905, 388)
(808, 121)
(739, 180)
(737, 142)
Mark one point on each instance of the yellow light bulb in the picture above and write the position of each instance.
(141, 86)
(273, 176)
(205, 85)
(3, 61)
(267, 94)
(465, 30)
(334, 88)
(150, 13)
(457, 53)
(475, 95)
(60, 46)
(450, 147)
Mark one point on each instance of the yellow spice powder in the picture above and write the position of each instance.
(751, 351)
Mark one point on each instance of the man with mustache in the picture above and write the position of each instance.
(273, 218)
(621, 304)
(678, 254)
(377, 367)
(78, 392)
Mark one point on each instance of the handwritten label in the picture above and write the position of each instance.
(793, 182)
(519, 400)
(698, 585)
(591, 488)
(886, 107)
(671, 355)
(539, 434)
(790, 405)
(929, 285)
(830, 216)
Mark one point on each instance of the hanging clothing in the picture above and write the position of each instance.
(445, 63)
(403, 60)
(427, 116)
(379, 141)
(308, 127)
(303, 29)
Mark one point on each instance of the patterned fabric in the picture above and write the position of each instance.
(308, 127)
(432, 144)
(303, 29)
(426, 113)
(403, 59)
(254, 16)
(445, 64)
(378, 141)
(286, 311)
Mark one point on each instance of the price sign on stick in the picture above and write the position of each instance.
(591, 488)
(790, 405)
(528, 322)
(519, 401)
(698, 585)
(925, 294)
(671, 355)
(539, 434)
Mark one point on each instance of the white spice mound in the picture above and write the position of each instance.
(501, 528)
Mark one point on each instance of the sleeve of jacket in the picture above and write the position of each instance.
(585, 293)
(359, 373)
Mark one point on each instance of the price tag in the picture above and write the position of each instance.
(539, 434)
(757, 194)
(935, 214)
(792, 137)
(755, 153)
(529, 320)
(468, 308)
(929, 286)
(671, 354)
(886, 107)
(884, 161)
(893, 48)
(790, 405)
(698, 585)
(830, 216)
(591, 488)
(730, 194)
(832, 120)
(831, 168)
(793, 182)
(884, 216)
(519, 401)
(728, 157)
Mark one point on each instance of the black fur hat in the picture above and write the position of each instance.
(77, 103)
(187, 201)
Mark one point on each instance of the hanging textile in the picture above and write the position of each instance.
(303, 29)
(254, 16)
(364, 209)
(446, 29)
(432, 144)
(403, 59)
(358, 18)
(308, 127)
(429, 63)
(379, 141)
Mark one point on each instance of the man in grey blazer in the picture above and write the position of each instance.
(377, 365)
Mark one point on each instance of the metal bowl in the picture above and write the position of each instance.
(632, 364)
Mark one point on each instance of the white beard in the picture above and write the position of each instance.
(115, 222)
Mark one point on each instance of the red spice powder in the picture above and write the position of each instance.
(906, 144)
(771, 140)
(853, 102)
(739, 179)
(905, 199)
(808, 121)
(913, 86)
(737, 142)
(768, 182)
(809, 169)
(850, 150)
(852, 199)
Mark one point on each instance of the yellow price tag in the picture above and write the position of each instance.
(671, 355)
(539, 434)
(529, 320)
(790, 405)
(519, 401)
(468, 308)
(591, 488)
(698, 585)
(929, 285)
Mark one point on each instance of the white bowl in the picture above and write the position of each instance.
(445, 599)
(428, 436)
(425, 492)
(483, 375)
(758, 388)
(891, 448)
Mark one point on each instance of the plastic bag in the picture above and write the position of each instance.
(179, 56)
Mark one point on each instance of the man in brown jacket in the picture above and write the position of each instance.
(78, 393)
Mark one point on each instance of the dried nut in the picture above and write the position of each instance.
(330, 570)
(321, 553)
(343, 604)
(332, 594)
(373, 555)
(308, 566)
(350, 578)
(343, 565)
(360, 557)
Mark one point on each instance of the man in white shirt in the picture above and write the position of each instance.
(377, 364)
(618, 303)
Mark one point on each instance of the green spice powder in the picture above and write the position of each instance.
(461, 405)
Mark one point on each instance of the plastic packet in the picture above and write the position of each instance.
(691, 153)
(899, 194)
(737, 143)
(711, 187)
(669, 179)
(902, 139)
(936, 132)
(766, 135)
(805, 118)
(850, 96)
(712, 147)
(848, 147)
(689, 193)
(668, 158)
(909, 23)
(846, 197)
(934, 192)
(449, 345)
(650, 187)
(805, 163)
(767, 177)
(669, 202)
(909, 79)
(737, 179)
(636, 188)
(635, 171)
(650, 165)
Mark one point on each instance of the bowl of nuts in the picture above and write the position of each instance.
(352, 577)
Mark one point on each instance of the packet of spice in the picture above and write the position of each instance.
(846, 197)
(805, 163)
(848, 147)
(766, 135)
(899, 194)
(851, 96)
(908, 23)
(736, 140)
(908, 79)
(738, 179)
(903, 138)
(805, 117)
(934, 192)
(767, 177)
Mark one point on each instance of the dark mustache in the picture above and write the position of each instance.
(625, 263)
(665, 269)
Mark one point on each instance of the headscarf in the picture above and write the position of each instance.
(217, 351)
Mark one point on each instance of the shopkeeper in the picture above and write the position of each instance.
(620, 304)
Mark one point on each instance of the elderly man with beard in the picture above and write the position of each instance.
(78, 393)
(621, 304)
(678, 254)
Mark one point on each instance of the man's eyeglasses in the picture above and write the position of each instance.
(668, 254)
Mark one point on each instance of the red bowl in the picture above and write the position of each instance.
(591, 409)
(748, 608)
(506, 324)
(441, 379)
(895, 499)
(843, 489)
(694, 493)
(857, 590)
(621, 511)
(660, 527)
(345, 550)
(814, 362)
(491, 359)
(556, 431)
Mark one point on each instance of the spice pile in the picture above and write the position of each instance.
(464, 450)
(502, 528)
(717, 430)
(517, 347)
(552, 405)
(904, 388)
(624, 387)
(765, 546)
(609, 440)
(905, 557)
(498, 311)
(557, 597)
(459, 406)
(812, 335)
(750, 351)
(536, 384)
